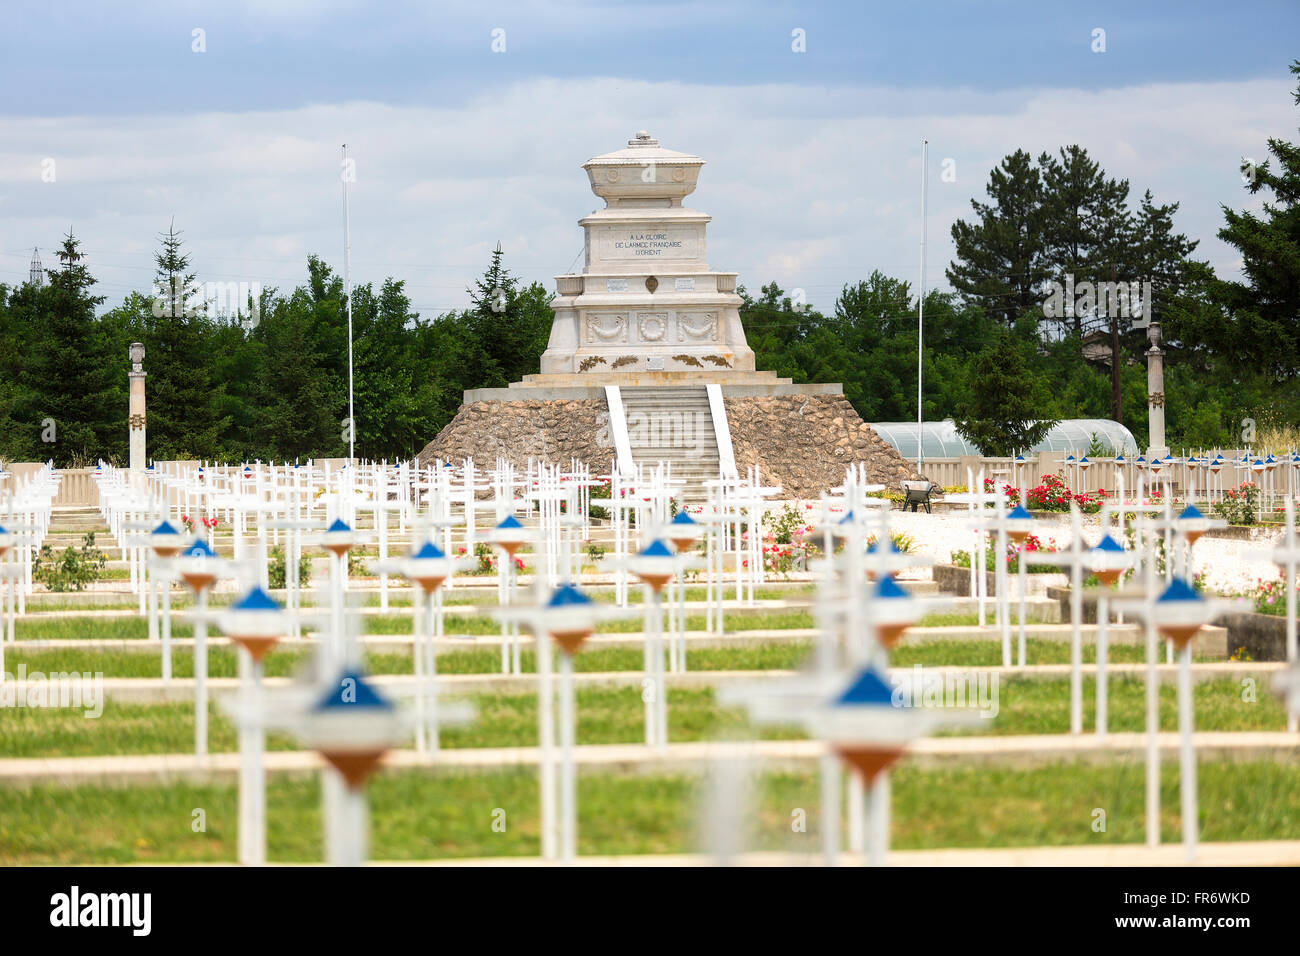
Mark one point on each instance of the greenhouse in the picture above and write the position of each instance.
(942, 440)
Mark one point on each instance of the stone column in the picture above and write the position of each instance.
(136, 420)
(1156, 394)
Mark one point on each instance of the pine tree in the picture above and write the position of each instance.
(1086, 223)
(1259, 327)
(1000, 257)
(508, 327)
(1006, 413)
(183, 395)
(79, 386)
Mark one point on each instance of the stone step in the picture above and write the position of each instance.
(674, 424)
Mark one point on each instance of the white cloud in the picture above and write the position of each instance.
(811, 187)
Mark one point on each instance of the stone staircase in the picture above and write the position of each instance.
(69, 524)
(673, 424)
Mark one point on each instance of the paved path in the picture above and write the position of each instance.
(1033, 750)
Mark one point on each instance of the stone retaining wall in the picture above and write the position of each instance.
(553, 431)
(804, 443)
(1263, 636)
(954, 579)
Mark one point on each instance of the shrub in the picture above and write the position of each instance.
(962, 559)
(356, 565)
(599, 491)
(785, 525)
(487, 562)
(1270, 597)
(73, 569)
(902, 541)
(276, 564)
(1240, 505)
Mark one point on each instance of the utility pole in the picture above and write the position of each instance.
(347, 282)
(1116, 397)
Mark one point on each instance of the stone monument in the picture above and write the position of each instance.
(646, 299)
(647, 359)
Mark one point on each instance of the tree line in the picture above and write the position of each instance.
(268, 380)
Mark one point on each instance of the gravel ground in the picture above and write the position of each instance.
(1226, 562)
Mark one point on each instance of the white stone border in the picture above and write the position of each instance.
(618, 428)
(721, 431)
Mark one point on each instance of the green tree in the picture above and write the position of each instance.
(184, 396)
(1000, 264)
(1258, 327)
(71, 368)
(1005, 413)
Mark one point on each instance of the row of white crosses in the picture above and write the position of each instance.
(847, 700)
(1171, 609)
(1174, 610)
(640, 501)
(569, 617)
(557, 495)
(337, 712)
(1014, 526)
(28, 504)
(1286, 555)
(1274, 472)
(1177, 612)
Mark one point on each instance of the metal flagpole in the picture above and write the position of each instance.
(347, 282)
(920, 304)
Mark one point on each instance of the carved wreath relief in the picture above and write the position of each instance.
(652, 326)
(697, 326)
(607, 328)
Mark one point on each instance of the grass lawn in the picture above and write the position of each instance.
(79, 627)
(430, 814)
(616, 715)
(399, 595)
(749, 655)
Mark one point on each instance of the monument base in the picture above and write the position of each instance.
(802, 437)
(591, 385)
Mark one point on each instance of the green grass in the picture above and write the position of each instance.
(745, 655)
(137, 628)
(609, 715)
(1043, 707)
(399, 595)
(433, 814)
(605, 716)
(34, 627)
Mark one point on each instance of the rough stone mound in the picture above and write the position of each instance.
(553, 431)
(804, 443)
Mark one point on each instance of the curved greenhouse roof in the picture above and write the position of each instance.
(941, 439)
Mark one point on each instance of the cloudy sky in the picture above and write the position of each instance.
(229, 117)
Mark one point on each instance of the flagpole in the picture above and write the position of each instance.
(920, 305)
(347, 282)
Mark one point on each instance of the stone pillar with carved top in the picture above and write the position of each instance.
(1156, 395)
(136, 419)
(646, 300)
